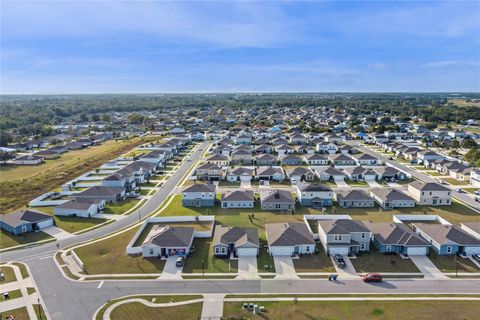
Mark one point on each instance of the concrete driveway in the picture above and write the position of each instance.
(341, 183)
(426, 266)
(348, 272)
(373, 184)
(57, 233)
(284, 267)
(245, 184)
(247, 268)
(170, 270)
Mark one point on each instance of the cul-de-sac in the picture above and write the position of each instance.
(239, 160)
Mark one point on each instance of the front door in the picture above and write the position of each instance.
(297, 250)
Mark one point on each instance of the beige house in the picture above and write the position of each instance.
(430, 194)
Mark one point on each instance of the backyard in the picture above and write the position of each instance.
(356, 310)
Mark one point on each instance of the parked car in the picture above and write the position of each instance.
(133, 195)
(459, 190)
(339, 261)
(477, 199)
(180, 261)
(390, 158)
(476, 257)
(393, 180)
(372, 277)
(477, 192)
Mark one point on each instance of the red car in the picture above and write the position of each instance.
(372, 277)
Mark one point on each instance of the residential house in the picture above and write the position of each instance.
(330, 174)
(428, 156)
(218, 159)
(289, 239)
(242, 139)
(391, 237)
(47, 154)
(284, 149)
(101, 193)
(365, 159)
(209, 172)
(266, 160)
(263, 148)
(298, 139)
(475, 178)
(237, 241)
(326, 148)
(448, 239)
(304, 149)
(276, 200)
(430, 193)
(165, 241)
(388, 173)
(242, 157)
(238, 199)
(239, 174)
(354, 198)
(473, 228)
(270, 173)
(24, 221)
(199, 195)
(28, 160)
(314, 195)
(341, 160)
(344, 236)
(291, 160)
(298, 174)
(315, 159)
(79, 207)
(390, 198)
(360, 174)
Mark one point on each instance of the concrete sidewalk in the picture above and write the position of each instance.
(212, 306)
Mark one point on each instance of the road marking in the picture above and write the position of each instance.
(46, 257)
(100, 284)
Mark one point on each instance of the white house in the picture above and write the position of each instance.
(430, 194)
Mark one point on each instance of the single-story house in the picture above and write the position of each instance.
(298, 174)
(388, 172)
(238, 241)
(360, 174)
(344, 236)
(28, 160)
(354, 198)
(288, 239)
(47, 154)
(390, 198)
(266, 160)
(448, 239)
(79, 207)
(218, 159)
(276, 200)
(331, 174)
(240, 174)
(391, 237)
(270, 173)
(315, 159)
(365, 159)
(165, 241)
(107, 194)
(23, 221)
(238, 199)
(291, 160)
(340, 159)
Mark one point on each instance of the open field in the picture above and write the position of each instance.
(375, 261)
(108, 256)
(8, 240)
(20, 184)
(133, 310)
(357, 310)
(463, 103)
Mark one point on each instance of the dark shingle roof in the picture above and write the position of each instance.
(288, 234)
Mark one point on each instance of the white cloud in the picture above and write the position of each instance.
(452, 63)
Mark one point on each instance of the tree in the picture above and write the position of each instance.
(455, 144)
(5, 138)
(105, 117)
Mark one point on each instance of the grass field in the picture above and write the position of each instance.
(375, 261)
(357, 310)
(23, 269)
(447, 263)
(120, 207)
(71, 224)
(20, 184)
(8, 240)
(9, 274)
(133, 310)
(108, 257)
(455, 182)
(318, 262)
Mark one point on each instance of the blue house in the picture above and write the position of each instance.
(448, 239)
(397, 238)
(199, 195)
(24, 221)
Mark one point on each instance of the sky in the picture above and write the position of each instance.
(245, 46)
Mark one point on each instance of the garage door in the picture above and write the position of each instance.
(245, 178)
(416, 251)
(281, 251)
(338, 250)
(45, 224)
(242, 252)
(472, 250)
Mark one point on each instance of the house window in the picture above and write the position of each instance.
(308, 249)
(217, 250)
(224, 250)
(364, 235)
(150, 251)
(203, 195)
(362, 246)
(449, 249)
(388, 248)
(277, 206)
(338, 237)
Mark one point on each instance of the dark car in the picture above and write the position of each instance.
(339, 261)
(180, 261)
(372, 277)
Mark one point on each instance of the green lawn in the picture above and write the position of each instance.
(357, 310)
(204, 251)
(71, 224)
(20, 313)
(108, 256)
(318, 262)
(471, 190)
(9, 240)
(434, 173)
(14, 294)
(9, 274)
(265, 261)
(455, 182)
(150, 184)
(31, 290)
(356, 183)
(120, 207)
(133, 310)
(23, 269)
(447, 263)
(375, 261)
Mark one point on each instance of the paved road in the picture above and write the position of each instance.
(463, 197)
(150, 206)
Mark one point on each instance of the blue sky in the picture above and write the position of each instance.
(147, 46)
